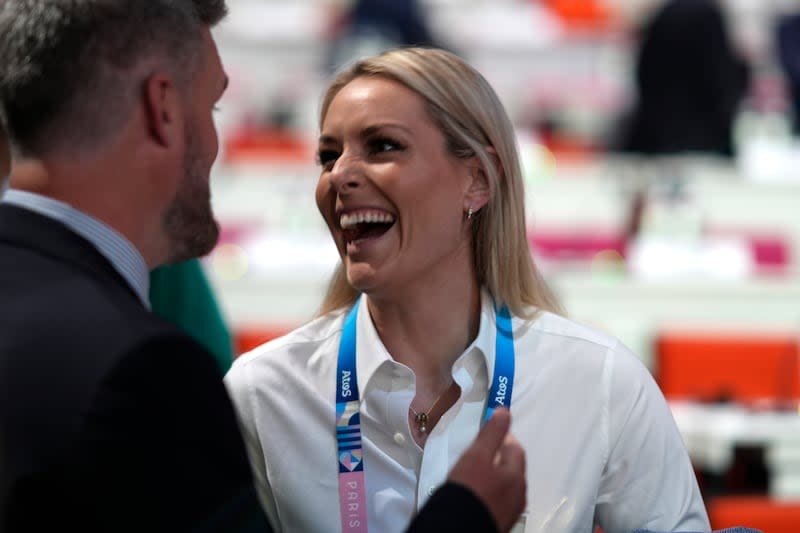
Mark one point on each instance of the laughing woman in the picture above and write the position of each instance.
(436, 316)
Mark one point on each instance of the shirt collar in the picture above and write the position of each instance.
(122, 255)
(476, 359)
(370, 350)
(479, 356)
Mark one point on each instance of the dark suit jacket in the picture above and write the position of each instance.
(111, 419)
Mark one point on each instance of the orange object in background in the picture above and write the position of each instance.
(259, 145)
(759, 512)
(583, 14)
(245, 339)
(746, 368)
(567, 149)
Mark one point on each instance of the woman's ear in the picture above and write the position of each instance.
(478, 191)
(162, 107)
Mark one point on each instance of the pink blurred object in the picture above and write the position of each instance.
(574, 245)
(771, 251)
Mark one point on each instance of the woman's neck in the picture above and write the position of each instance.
(428, 329)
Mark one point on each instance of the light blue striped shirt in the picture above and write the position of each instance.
(123, 255)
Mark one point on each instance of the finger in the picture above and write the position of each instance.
(494, 432)
(511, 455)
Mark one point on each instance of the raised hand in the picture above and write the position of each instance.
(493, 467)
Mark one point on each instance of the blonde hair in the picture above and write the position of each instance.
(474, 124)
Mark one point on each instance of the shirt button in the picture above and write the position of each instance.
(399, 438)
(431, 490)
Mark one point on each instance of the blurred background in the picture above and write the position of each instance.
(662, 166)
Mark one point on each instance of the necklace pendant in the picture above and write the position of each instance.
(422, 422)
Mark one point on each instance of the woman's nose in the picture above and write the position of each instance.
(347, 173)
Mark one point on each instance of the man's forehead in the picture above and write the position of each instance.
(211, 53)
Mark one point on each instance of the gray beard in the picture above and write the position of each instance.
(189, 222)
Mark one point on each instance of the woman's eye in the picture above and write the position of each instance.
(326, 158)
(380, 145)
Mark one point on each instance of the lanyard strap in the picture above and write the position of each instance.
(503, 380)
(352, 502)
(352, 499)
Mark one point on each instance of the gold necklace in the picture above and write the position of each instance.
(422, 419)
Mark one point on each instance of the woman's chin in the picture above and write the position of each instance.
(361, 276)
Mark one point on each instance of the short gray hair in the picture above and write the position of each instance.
(70, 70)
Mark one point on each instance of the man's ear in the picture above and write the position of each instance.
(478, 191)
(163, 109)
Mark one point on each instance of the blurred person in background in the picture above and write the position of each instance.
(787, 37)
(368, 27)
(690, 82)
(111, 418)
(436, 316)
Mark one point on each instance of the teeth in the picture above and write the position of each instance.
(370, 217)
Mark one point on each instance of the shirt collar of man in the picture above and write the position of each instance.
(120, 252)
(475, 364)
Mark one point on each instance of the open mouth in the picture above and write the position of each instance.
(367, 224)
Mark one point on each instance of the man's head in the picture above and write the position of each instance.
(92, 77)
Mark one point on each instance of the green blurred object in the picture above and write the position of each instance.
(182, 294)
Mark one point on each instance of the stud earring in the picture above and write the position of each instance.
(469, 213)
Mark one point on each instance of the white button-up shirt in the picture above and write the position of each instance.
(601, 445)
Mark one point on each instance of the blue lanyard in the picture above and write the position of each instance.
(503, 380)
(352, 499)
(352, 502)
